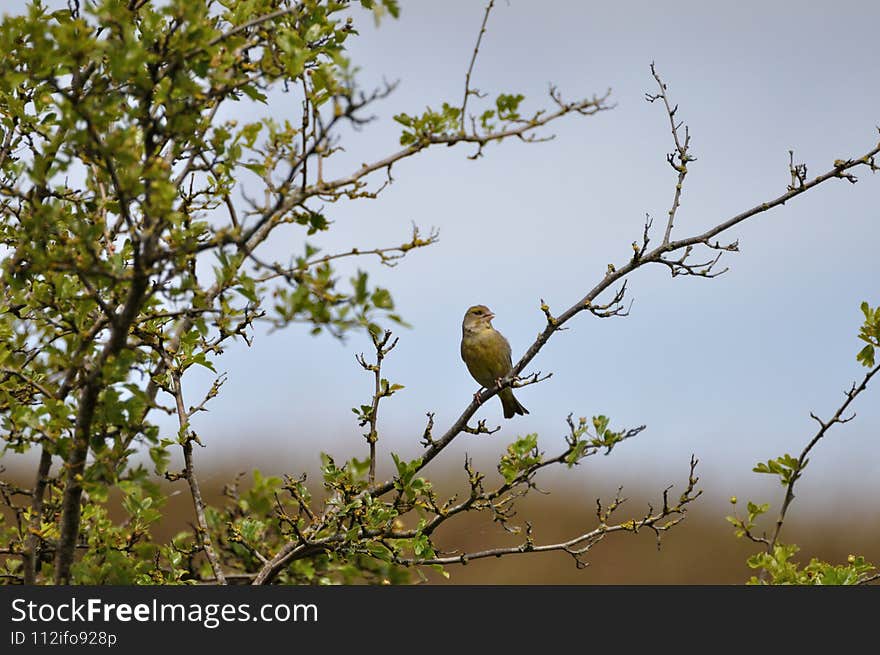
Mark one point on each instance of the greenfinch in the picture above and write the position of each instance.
(486, 353)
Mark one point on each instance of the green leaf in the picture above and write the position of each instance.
(251, 92)
(382, 298)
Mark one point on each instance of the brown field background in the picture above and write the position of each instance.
(700, 550)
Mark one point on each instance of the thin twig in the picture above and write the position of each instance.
(580, 544)
(467, 79)
(380, 391)
(27, 380)
(388, 256)
(824, 426)
(189, 473)
(681, 151)
(586, 107)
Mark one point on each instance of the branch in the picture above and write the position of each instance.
(187, 167)
(6, 147)
(107, 156)
(388, 256)
(381, 390)
(32, 551)
(259, 20)
(581, 544)
(286, 195)
(27, 380)
(584, 107)
(189, 473)
(88, 400)
(467, 79)
(824, 426)
(681, 150)
(481, 499)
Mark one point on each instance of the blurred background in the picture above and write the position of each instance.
(726, 369)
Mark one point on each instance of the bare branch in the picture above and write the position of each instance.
(681, 150)
(388, 256)
(481, 428)
(427, 439)
(467, 79)
(581, 544)
(613, 307)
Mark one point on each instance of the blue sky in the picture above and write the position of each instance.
(728, 369)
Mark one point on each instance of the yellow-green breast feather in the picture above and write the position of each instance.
(487, 355)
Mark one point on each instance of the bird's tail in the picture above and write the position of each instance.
(511, 404)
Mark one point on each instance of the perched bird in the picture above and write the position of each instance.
(486, 353)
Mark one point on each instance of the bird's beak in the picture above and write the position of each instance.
(490, 316)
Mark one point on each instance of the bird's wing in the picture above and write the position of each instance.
(506, 351)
